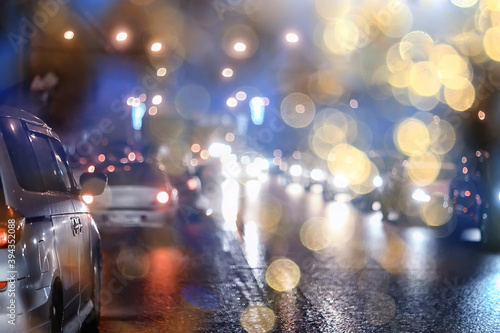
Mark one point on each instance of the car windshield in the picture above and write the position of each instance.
(134, 174)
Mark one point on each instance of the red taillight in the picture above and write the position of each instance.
(162, 197)
(3, 237)
(3, 284)
(192, 184)
(11, 224)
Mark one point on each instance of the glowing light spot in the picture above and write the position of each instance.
(131, 156)
(353, 103)
(157, 99)
(69, 35)
(296, 170)
(297, 110)
(481, 115)
(241, 96)
(229, 137)
(423, 169)
(88, 199)
(257, 319)
(415, 45)
(162, 71)
(232, 102)
(341, 36)
(195, 148)
(111, 168)
(292, 37)
(424, 79)
(91, 169)
(394, 19)
(349, 165)
(204, 154)
(442, 136)
(316, 234)
(461, 96)
(490, 43)
(121, 36)
(240, 47)
(227, 72)
(156, 47)
(412, 137)
(437, 211)
(464, 3)
(153, 111)
(283, 275)
(297, 155)
(101, 158)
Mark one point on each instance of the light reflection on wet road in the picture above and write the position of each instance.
(357, 273)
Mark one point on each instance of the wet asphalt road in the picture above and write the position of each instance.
(221, 273)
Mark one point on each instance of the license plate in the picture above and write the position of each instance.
(128, 219)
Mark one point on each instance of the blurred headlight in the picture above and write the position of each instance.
(420, 195)
(340, 182)
(377, 181)
(88, 199)
(192, 184)
(162, 197)
(317, 175)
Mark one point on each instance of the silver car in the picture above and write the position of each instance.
(50, 258)
(138, 194)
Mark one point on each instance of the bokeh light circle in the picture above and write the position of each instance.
(442, 136)
(283, 275)
(423, 169)
(380, 309)
(297, 110)
(412, 137)
(437, 211)
(464, 3)
(257, 319)
(315, 234)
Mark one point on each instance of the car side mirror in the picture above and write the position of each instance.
(93, 183)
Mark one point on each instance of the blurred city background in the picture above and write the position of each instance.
(384, 111)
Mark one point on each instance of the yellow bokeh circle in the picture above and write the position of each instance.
(423, 169)
(283, 275)
(412, 137)
(257, 319)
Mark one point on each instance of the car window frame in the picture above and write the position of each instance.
(50, 138)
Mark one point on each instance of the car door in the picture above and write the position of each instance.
(83, 218)
(66, 224)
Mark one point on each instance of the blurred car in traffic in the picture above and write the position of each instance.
(470, 194)
(138, 194)
(401, 199)
(50, 252)
(192, 201)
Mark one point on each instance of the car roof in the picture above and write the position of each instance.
(11, 112)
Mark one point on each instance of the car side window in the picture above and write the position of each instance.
(53, 177)
(21, 154)
(62, 163)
